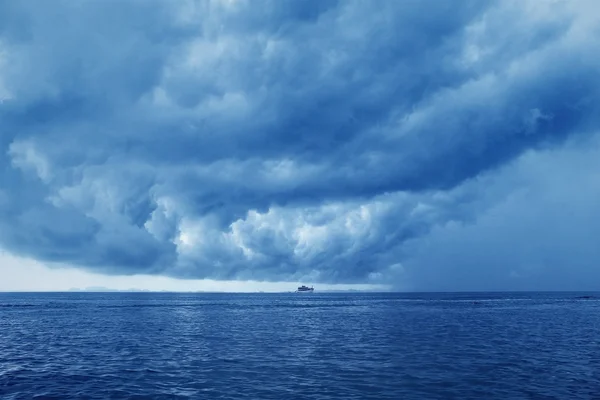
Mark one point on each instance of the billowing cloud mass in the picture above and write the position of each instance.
(453, 145)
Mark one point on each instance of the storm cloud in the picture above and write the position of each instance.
(430, 146)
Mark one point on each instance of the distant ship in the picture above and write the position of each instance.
(303, 288)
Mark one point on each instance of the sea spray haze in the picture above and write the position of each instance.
(431, 147)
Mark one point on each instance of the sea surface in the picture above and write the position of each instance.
(300, 346)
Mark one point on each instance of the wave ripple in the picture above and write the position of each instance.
(310, 346)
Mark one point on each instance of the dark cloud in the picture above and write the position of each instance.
(323, 140)
(540, 237)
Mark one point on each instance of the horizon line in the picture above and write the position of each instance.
(108, 290)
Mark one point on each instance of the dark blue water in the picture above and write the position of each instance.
(299, 346)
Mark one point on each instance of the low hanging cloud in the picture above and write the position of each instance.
(331, 141)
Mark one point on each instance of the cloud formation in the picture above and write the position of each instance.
(330, 141)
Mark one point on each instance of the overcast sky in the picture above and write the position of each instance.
(447, 145)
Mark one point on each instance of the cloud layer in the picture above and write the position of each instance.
(330, 141)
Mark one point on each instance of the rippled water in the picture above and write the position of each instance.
(299, 346)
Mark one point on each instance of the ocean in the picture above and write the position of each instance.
(299, 346)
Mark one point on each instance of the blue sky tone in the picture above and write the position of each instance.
(426, 146)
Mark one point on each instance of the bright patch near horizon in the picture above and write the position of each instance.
(25, 275)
